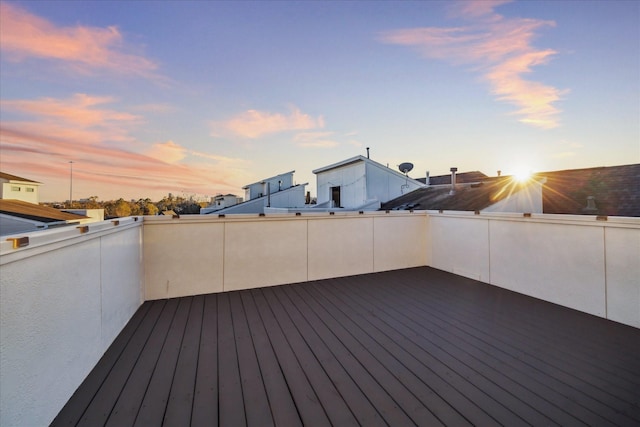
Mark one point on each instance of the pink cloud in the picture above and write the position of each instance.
(79, 109)
(254, 124)
(24, 35)
(85, 130)
(499, 48)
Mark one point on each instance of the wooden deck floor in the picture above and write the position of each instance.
(416, 346)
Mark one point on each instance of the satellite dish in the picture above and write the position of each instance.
(405, 167)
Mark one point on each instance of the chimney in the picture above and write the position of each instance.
(426, 181)
(499, 173)
(367, 152)
(453, 181)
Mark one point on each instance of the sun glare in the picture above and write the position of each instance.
(522, 174)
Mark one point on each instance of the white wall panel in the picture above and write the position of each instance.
(399, 242)
(623, 275)
(460, 245)
(560, 263)
(182, 258)
(340, 246)
(264, 253)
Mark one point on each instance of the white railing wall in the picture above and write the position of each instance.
(63, 300)
(204, 254)
(583, 262)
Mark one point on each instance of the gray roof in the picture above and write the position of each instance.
(615, 189)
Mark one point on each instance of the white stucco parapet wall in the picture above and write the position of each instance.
(63, 300)
(587, 263)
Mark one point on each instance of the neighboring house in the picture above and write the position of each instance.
(18, 216)
(610, 191)
(360, 183)
(17, 188)
(268, 186)
(276, 192)
(222, 201)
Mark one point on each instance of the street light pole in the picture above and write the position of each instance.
(70, 183)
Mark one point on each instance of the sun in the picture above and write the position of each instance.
(522, 174)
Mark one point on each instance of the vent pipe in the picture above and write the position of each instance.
(453, 181)
(591, 207)
(426, 181)
(367, 152)
(268, 194)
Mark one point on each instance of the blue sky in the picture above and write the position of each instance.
(200, 98)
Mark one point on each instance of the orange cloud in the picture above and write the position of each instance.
(500, 49)
(99, 141)
(24, 35)
(79, 109)
(254, 124)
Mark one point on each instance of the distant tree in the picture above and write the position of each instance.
(150, 209)
(122, 208)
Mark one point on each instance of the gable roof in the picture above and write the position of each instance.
(10, 177)
(341, 163)
(35, 212)
(468, 196)
(368, 161)
(616, 190)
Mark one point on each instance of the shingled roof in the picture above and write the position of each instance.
(615, 189)
(468, 196)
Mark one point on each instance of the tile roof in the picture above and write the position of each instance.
(35, 212)
(10, 177)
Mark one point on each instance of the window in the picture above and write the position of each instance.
(28, 190)
(15, 188)
(335, 196)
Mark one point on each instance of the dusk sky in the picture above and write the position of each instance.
(200, 98)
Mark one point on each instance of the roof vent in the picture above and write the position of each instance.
(591, 207)
(453, 181)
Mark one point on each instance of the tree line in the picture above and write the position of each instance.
(122, 208)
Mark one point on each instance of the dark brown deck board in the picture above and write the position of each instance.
(205, 399)
(504, 334)
(416, 346)
(254, 393)
(508, 364)
(179, 407)
(230, 399)
(283, 408)
(154, 404)
(333, 403)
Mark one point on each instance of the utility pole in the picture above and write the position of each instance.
(70, 183)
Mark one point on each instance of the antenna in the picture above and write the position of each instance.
(405, 167)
